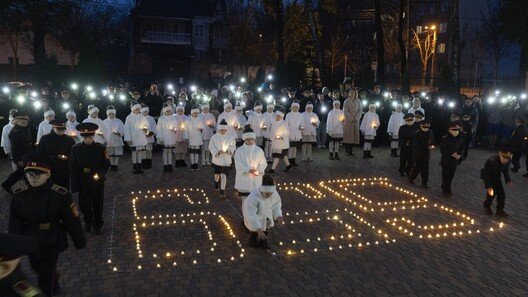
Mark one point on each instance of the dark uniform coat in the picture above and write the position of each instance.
(54, 146)
(21, 142)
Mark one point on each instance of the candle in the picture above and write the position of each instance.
(342, 117)
(63, 157)
(96, 177)
(313, 121)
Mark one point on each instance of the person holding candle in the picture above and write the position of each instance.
(231, 118)
(70, 126)
(353, 111)
(309, 132)
(151, 127)
(416, 106)
(393, 127)
(209, 123)
(222, 147)
(193, 135)
(369, 127)
(334, 128)
(494, 167)
(166, 136)
(45, 127)
(405, 137)
(46, 212)
(250, 164)
(261, 208)
(93, 117)
(88, 166)
(180, 149)
(116, 130)
(423, 143)
(136, 129)
(256, 121)
(265, 130)
(57, 146)
(280, 142)
(295, 122)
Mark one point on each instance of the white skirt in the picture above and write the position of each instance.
(115, 151)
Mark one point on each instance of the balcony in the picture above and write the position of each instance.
(166, 38)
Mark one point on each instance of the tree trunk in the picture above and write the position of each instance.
(454, 40)
(39, 49)
(404, 77)
(72, 61)
(13, 40)
(315, 37)
(279, 6)
(424, 75)
(380, 46)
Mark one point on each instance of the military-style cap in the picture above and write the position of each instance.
(20, 115)
(505, 150)
(87, 129)
(36, 162)
(425, 123)
(15, 246)
(408, 116)
(60, 124)
(419, 114)
(453, 125)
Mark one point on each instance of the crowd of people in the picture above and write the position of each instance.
(227, 126)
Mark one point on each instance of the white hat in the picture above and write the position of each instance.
(92, 109)
(227, 104)
(309, 105)
(145, 108)
(336, 102)
(271, 105)
(135, 106)
(167, 108)
(48, 113)
(280, 113)
(111, 110)
(248, 133)
(295, 104)
(195, 110)
(223, 125)
(239, 107)
(71, 113)
(180, 107)
(205, 105)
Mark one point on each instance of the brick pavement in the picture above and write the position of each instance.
(484, 263)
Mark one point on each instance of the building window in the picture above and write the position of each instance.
(199, 31)
(419, 29)
(198, 54)
(444, 5)
(441, 48)
(432, 9)
(443, 27)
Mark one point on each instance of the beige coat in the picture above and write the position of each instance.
(352, 110)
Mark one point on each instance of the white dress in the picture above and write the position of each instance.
(260, 212)
(334, 124)
(207, 119)
(295, 123)
(43, 128)
(222, 142)
(181, 144)
(114, 142)
(395, 122)
(134, 125)
(193, 132)
(280, 136)
(101, 132)
(152, 127)
(246, 158)
(231, 119)
(310, 124)
(370, 124)
(165, 132)
(71, 131)
(268, 121)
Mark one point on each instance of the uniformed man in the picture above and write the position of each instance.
(46, 212)
(518, 143)
(405, 138)
(12, 281)
(423, 143)
(491, 175)
(89, 163)
(20, 138)
(451, 148)
(57, 146)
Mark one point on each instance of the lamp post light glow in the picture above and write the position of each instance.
(451, 104)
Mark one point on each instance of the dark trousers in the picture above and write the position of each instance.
(421, 166)
(405, 160)
(91, 203)
(46, 269)
(448, 173)
(516, 158)
(467, 141)
(498, 191)
(255, 242)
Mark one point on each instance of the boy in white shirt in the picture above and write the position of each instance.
(309, 132)
(334, 128)
(295, 123)
(136, 129)
(70, 126)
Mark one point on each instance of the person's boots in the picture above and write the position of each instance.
(293, 162)
(350, 150)
(288, 168)
(331, 156)
(501, 213)
(370, 154)
(394, 153)
(148, 164)
(337, 156)
(143, 163)
(139, 168)
(135, 169)
(487, 209)
(347, 149)
(365, 155)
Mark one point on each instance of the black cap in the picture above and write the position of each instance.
(37, 162)
(453, 125)
(505, 150)
(15, 246)
(87, 129)
(58, 124)
(248, 129)
(223, 122)
(425, 122)
(419, 114)
(110, 107)
(408, 116)
(267, 180)
(20, 115)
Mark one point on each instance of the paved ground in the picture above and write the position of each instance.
(339, 239)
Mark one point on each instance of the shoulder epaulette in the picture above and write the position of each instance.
(19, 187)
(59, 189)
(25, 288)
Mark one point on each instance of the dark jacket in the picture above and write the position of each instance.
(46, 213)
(322, 109)
(405, 136)
(491, 173)
(21, 142)
(85, 162)
(450, 145)
(53, 146)
(154, 102)
(421, 142)
(518, 138)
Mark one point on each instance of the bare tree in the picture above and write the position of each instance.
(335, 50)
(14, 28)
(424, 45)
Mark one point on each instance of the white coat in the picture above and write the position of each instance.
(231, 119)
(152, 127)
(369, 124)
(71, 131)
(43, 128)
(256, 121)
(207, 120)
(246, 158)
(242, 120)
(181, 126)
(268, 121)
(165, 132)
(193, 131)
(280, 135)
(309, 118)
(101, 132)
(219, 143)
(413, 110)
(114, 125)
(260, 212)
(295, 123)
(334, 123)
(5, 143)
(134, 125)
(395, 122)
